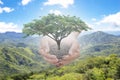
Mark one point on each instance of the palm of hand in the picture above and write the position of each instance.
(72, 54)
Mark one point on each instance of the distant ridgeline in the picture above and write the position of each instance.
(99, 38)
(94, 38)
(17, 39)
(20, 55)
(100, 42)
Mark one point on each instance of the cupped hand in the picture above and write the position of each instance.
(73, 53)
(44, 51)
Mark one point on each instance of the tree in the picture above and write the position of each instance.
(54, 26)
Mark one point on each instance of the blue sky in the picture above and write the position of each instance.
(100, 15)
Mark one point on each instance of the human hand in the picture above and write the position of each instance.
(73, 53)
(68, 58)
(44, 51)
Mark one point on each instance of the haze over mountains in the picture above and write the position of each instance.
(19, 55)
(100, 42)
(98, 36)
(92, 39)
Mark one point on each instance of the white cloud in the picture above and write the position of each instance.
(56, 12)
(4, 27)
(25, 2)
(107, 23)
(63, 3)
(6, 9)
(104, 28)
(113, 19)
(1, 10)
(1, 2)
(93, 19)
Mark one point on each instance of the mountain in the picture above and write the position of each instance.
(20, 60)
(98, 37)
(10, 35)
(17, 39)
(99, 42)
(19, 55)
(116, 33)
(94, 38)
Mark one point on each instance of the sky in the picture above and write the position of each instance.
(100, 15)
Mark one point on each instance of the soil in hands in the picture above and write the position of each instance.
(64, 50)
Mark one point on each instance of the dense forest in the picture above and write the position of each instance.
(99, 59)
(92, 68)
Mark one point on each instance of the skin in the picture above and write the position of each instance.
(70, 40)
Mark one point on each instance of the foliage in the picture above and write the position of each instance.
(98, 38)
(97, 62)
(18, 60)
(55, 26)
(103, 68)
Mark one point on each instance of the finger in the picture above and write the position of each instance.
(66, 57)
(59, 64)
(52, 56)
(71, 56)
(75, 55)
(41, 51)
(48, 55)
(65, 62)
(52, 61)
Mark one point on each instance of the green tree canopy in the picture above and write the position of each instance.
(54, 26)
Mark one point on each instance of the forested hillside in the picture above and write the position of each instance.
(99, 37)
(19, 55)
(99, 60)
(99, 43)
(92, 68)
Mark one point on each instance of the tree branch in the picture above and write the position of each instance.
(51, 37)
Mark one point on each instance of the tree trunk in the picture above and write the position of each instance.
(58, 44)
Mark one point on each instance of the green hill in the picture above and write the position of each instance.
(99, 37)
(99, 42)
(19, 55)
(20, 60)
(92, 68)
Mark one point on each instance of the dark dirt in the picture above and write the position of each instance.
(64, 49)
